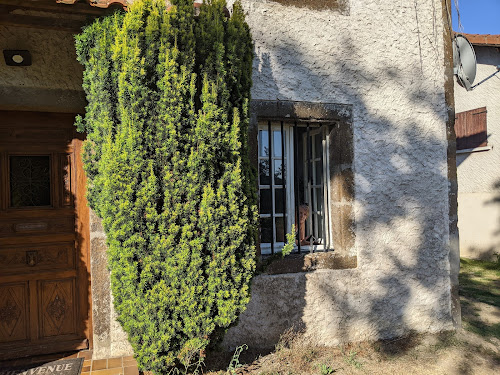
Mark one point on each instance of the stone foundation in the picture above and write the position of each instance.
(109, 338)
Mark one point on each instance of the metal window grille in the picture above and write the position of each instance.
(293, 184)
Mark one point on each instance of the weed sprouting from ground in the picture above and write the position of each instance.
(326, 370)
(351, 359)
(235, 360)
(191, 367)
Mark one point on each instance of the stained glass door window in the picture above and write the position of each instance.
(29, 181)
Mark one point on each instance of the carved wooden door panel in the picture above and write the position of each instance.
(44, 279)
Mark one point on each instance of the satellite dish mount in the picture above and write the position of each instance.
(464, 63)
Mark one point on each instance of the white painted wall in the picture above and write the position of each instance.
(478, 172)
(386, 58)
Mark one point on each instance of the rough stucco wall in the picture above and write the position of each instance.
(478, 172)
(109, 338)
(386, 60)
(54, 80)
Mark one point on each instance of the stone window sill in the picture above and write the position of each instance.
(295, 263)
(477, 149)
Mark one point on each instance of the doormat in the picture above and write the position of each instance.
(62, 367)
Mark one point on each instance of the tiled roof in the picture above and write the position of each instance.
(483, 39)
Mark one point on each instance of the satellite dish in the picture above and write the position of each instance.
(464, 62)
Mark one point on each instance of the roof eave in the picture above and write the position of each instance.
(483, 40)
(98, 3)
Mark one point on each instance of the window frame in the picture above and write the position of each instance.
(342, 198)
(324, 186)
(289, 139)
(287, 174)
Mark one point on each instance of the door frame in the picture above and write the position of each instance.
(83, 296)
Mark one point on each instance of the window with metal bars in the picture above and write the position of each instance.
(293, 185)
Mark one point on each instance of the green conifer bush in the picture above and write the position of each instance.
(166, 157)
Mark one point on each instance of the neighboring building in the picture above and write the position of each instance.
(357, 95)
(478, 157)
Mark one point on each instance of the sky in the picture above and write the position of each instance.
(477, 16)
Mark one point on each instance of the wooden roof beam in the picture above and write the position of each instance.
(50, 23)
(98, 3)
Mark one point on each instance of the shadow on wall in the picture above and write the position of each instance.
(402, 282)
(462, 157)
(492, 253)
(482, 253)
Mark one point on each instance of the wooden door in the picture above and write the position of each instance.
(44, 265)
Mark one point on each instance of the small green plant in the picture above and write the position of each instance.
(192, 361)
(189, 369)
(350, 359)
(235, 360)
(326, 370)
(290, 242)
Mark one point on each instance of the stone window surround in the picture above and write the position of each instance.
(341, 176)
(341, 6)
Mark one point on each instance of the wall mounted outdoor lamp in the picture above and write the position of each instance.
(15, 57)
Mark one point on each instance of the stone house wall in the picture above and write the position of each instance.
(109, 338)
(388, 62)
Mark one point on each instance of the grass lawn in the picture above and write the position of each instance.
(480, 297)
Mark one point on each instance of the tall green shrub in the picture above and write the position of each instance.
(168, 172)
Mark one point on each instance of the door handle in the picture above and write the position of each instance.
(31, 258)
